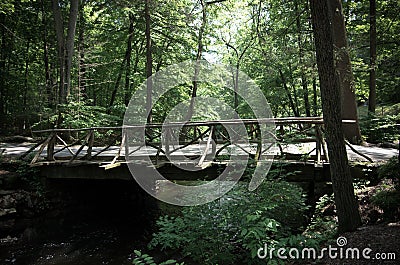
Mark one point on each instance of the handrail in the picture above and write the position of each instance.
(276, 121)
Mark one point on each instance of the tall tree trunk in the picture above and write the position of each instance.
(116, 85)
(26, 72)
(3, 57)
(81, 47)
(343, 68)
(48, 81)
(346, 203)
(304, 82)
(199, 55)
(289, 95)
(149, 62)
(59, 27)
(128, 59)
(138, 52)
(125, 65)
(372, 55)
(69, 44)
(239, 56)
(315, 97)
(25, 118)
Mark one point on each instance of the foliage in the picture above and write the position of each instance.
(388, 198)
(323, 226)
(77, 115)
(233, 228)
(391, 170)
(145, 259)
(388, 201)
(379, 129)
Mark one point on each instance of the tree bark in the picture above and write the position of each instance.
(344, 71)
(372, 55)
(65, 46)
(3, 56)
(69, 44)
(149, 62)
(304, 82)
(125, 65)
(48, 81)
(59, 28)
(128, 59)
(289, 95)
(346, 203)
(82, 65)
(315, 97)
(199, 55)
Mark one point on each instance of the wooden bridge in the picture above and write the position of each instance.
(196, 139)
(93, 152)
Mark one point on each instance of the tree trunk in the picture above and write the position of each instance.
(315, 97)
(126, 63)
(48, 82)
(116, 85)
(69, 44)
(128, 59)
(82, 66)
(149, 62)
(304, 82)
(3, 57)
(346, 203)
(199, 55)
(372, 55)
(58, 23)
(343, 68)
(289, 95)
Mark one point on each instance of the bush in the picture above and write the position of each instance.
(379, 129)
(145, 259)
(391, 170)
(233, 228)
(388, 201)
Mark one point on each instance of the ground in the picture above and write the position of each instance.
(381, 238)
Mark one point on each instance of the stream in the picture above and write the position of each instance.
(96, 223)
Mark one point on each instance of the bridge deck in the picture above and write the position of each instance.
(377, 154)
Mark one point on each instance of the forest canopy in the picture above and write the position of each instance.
(88, 57)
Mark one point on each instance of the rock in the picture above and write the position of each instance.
(29, 234)
(4, 212)
(7, 201)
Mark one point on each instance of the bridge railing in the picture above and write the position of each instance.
(170, 138)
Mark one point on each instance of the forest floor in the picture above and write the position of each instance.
(382, 239)
(380, 232)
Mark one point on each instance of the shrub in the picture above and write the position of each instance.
(379, 129)
(234, 227)
(391, 170)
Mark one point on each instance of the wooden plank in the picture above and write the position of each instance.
(90, 145)
(110, 166)
(285, 120)
(207, 147)
(36, 157)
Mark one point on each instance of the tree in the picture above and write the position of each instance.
(149, 62)
(346, 204)
(65, 45)
(372, 56)
(199, 55)
(343, 68)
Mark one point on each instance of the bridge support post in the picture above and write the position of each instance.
(318, 143)
(167, 136)
(50, 147)
(90, 144)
